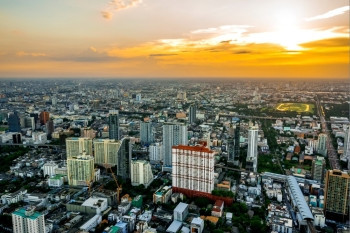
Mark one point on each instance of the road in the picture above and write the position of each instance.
(332, 153)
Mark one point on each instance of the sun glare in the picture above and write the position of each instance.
(287, 31)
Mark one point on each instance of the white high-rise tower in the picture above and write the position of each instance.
(252, 155)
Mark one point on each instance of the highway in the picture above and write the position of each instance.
(332, 153)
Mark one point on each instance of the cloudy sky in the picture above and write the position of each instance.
(174, 38)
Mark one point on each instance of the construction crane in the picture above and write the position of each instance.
(119, 187)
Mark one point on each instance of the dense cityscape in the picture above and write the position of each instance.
(174, 155)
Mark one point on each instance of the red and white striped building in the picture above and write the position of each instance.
(193, 168)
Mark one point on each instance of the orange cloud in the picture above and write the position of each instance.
(23, 54)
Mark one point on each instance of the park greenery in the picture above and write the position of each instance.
(8, 154)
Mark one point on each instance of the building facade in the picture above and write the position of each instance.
(141, 173)
(113, 123)
(322, 144)
(80, 170)
(252, 155)
(193, 168)
(106, 151)
(318, 168)
(146, 132)
(28, 221)
(156, 152)
(76, 146)
(173, 135)
(124, 159)
(336, 199)
(14, 122)
(192, 116)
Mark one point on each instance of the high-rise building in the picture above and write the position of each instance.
(173, 135)
(80, 170)
(318, 168)
(106, 151)
(76, 146)
(236, 122)
(193, 168)
(30, 122)
(181, 95)
(124, 159)
(322, 144)
(113, 122)
(88, 132)
(156, 152)
(14, 122)
(146, 132)
(28, 221)
(252, 155)
(192, 117)
(141, 173)
(138, 97)
(347, 146)
(44, 117)
(49, 128)
(337, 194)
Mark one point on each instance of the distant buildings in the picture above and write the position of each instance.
(76, 146)
(28, 221)
(80, 170)
(318, 168)
(113, 122)
(14, 122)
(141, 173)
(192, 116)
(193, 168)
(44, 117)
(252, 155)
(146, 132)
(337, 193)
(322, 144)
(106, 151)
(173, 135)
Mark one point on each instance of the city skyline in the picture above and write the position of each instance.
(154, 39)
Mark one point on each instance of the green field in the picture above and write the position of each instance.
(295, 107)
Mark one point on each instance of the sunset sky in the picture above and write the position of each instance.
(181, 38)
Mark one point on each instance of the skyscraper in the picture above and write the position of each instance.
(252, 155)
(44, 117)
(236, 122)
(80, 169)
(113, 122)
(192, 117)
(124, 159)
(26, 220)
(14, 122)
(173, 135)
(156, 152)
(146, 132)
(106, 151)
(141, 173)
(193, 168)
(76, 146)
(49, 128)
(322, 144)
(318, 168)
(336, 200)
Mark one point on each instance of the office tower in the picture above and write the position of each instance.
(192, 117)
(26, 220)
(236, 122)
(146, 133)
(113, 122)
(347, 146)
(17, 138)
(322, 144)
(252, 155)
(49, 128)
(76, 146)
(193, 168)
(36, 119)
(138, 97)
(318, 169)
(124, 159)
(30, 122)
(44, 117)
(141, 173)
(156, 152)
(231, 144)
(80, 170)
(336, 199)
(173, 135)
(106, 151)
(54, 101)
(14, 122)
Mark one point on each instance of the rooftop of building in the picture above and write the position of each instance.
(199, 148)
(25, 213)
(181, 207)
(339, 173)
